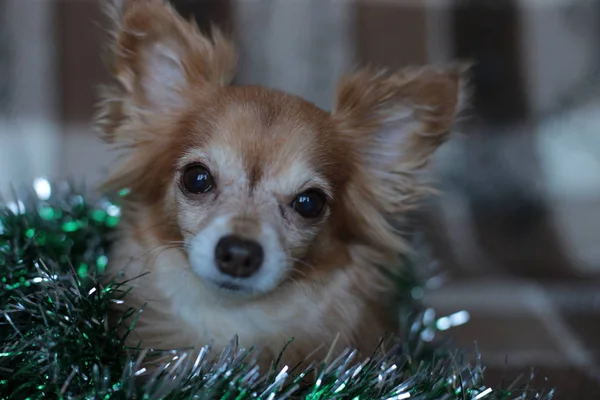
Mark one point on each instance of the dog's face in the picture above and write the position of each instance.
(255, 189)
(260, 186)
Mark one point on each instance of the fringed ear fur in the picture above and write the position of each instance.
(400, 119)
(396, 121)
(157, 59)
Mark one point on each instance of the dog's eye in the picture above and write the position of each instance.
(197, 179)
(309, 204)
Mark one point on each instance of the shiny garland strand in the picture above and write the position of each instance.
(55, 341)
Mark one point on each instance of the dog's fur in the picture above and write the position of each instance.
(172, 104)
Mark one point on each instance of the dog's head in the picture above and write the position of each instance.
(261, 186)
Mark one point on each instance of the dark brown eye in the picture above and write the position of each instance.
(309, 204)
(197, 179)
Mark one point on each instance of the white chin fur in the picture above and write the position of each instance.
(202, 260)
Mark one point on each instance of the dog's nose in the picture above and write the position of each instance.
(238, 257)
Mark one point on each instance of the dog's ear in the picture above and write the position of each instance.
(398, 120)
(157, 58)
(394, 123)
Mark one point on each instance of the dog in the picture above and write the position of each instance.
(252, 212)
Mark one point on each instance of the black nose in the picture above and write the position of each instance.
(238, 257)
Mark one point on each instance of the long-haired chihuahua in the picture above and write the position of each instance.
(252, 212)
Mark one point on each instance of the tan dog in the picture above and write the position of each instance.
(252, 211)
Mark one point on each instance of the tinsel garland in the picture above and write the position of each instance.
(55, 342)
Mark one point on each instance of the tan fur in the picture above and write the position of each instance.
(263, 147)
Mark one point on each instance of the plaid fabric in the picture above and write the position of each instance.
(526, 201)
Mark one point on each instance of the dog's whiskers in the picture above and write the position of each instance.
(300, 272)
(302, 285)
(303, 273)
(164, 247)
(299, 261)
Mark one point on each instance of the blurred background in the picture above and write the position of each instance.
(518, 224)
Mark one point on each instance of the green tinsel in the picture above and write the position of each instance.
(55, 342)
